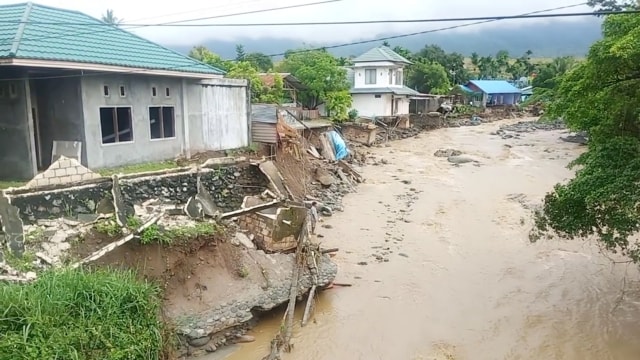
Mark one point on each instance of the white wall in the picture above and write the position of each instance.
(369, 105)
(403, 106)
(225, 116)
(382, 76)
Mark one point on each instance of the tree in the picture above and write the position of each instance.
(319, 71)
(404, 52)
(205, 55)
(240, 54)
(110, 18)
(488, 68)
(259, 60)
(612, 5)
(453, 63)
(429, 78)
(600, 96)
(548, 77)
(338, 104)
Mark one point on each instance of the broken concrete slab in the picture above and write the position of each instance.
(222, 161)
(122, 210)
(272, 173)
(207, 203)
(12, 226)
(193, 208)
(324, 177)
(241, 239)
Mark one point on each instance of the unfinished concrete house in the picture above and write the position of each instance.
(73, 85)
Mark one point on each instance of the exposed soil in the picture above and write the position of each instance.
(181, 269)
(90, 242)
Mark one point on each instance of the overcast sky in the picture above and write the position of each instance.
(147, 12)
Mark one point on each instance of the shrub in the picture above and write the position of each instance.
(75, 314)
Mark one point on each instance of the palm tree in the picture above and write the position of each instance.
(110, 18)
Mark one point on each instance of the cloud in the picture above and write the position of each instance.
(346, 10)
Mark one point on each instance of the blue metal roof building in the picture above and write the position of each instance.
(494, 92)
(494, 86)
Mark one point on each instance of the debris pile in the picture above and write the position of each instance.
(324, 172)
(531, 126)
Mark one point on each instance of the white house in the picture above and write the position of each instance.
(377, 83)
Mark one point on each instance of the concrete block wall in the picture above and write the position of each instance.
(261, 227)
(63, 171)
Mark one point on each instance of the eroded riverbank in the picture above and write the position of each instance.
(462, 280)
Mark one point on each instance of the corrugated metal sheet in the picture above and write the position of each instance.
(495, 87)
(265, 113)
(264, 133)
(225, 122)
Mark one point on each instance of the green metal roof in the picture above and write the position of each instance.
(37, 32)
(404, 90)
(381, 53)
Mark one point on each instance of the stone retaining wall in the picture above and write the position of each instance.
(228, 185)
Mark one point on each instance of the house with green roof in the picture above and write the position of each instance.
(377, 83)
(68, 79)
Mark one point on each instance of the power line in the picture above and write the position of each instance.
(406, 21)
(398, 21)
(393, 37)
(201, 10)
(112, 28)
(299, 51)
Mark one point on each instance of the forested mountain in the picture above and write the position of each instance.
(545, 39)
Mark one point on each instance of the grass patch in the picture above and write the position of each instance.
(23, 264)
(35, 236)
(155, 234)
(252, 149)
(108, 227)
(10, 183)
(75, 314)
(139, 168)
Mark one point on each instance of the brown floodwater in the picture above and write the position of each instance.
(463, 281)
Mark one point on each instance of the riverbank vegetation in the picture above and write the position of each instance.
(600, 96)
(75, 314)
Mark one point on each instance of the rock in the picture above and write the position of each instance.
(403, 255)
(211, 348)
(580, 138)
(245, 339)
(324, 177)
(242, 239)
(460, 159)
(362, 263)
(199, 342)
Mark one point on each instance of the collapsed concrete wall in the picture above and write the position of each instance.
(228, 185)
(274, 229)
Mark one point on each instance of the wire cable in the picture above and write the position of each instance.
(364, 22)
(305, 50)
(393, 37)
(112, 28)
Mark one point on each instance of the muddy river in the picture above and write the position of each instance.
(450, 273)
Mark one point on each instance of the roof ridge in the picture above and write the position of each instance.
(195, 61)
(118, 29)
(20, 31)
